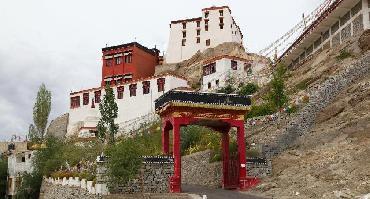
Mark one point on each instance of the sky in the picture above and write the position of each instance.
(58, 42)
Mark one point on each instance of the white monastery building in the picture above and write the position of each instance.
(214, 27)
(135, 102)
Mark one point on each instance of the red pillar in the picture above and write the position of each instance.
(225, 158)
(175, 181)
(165, 138)
(244, 182)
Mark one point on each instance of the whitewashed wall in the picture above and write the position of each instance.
(16, 167)
(177, 53)
(129, 108)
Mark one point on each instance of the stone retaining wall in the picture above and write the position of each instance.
(320, 97)
(197, 170)
(152, 178)
(51, 190)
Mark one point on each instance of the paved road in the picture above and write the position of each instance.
(216, 193)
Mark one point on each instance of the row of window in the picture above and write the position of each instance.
(75, 101)
(206, 14)
(118, 60)
(211, 68)
(209, 85)
(208, 42)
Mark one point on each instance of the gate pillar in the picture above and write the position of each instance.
(225, 159)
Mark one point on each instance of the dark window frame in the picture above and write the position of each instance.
(133, 88)
(146, 87)
(85, 99)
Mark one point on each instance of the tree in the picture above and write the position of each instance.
(248, 89)
(277, 96)
(3, 175)
(41, 110)
(33, 135)
(108, 108)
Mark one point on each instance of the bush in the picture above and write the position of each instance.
(227, 89)
(343, 54)
(3, 175)
(124, 161)
(303, 84)
(260, 110)
(248, 89)
(30, 187)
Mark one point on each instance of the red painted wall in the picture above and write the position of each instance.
(142, 65)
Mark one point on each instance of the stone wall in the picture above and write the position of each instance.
(153, 177)
(320, 97)
(58, 191)
(197, 170)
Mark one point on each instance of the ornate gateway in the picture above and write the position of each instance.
(217, 111)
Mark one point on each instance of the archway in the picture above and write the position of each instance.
(217, 111)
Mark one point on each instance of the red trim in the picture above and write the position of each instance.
(216, 8)
(132, 82)
(186, 20)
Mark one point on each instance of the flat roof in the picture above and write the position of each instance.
(152, 51)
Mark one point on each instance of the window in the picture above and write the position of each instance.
(183, 34)
(248, 68)
(132, 88)
(206, 25)
(183, 25)
(160, 84)
(75, 102)
(128, 58)
(198, 40)
(198, 24)
(183, 42)
(146, 87)
(206, 28)
(221, 26)
(206, 22)
(29, 156)
(119, 81)
(85, 99)
(234, 65)
(118, 60)
(209, 85)
(221, 20)
(221, 12)
(209, 69)
(108, 62)
(208, 42)
(198, 32)
(217, 82)
(23, 159)
(120, 92)
(97, 95)
(206, 14)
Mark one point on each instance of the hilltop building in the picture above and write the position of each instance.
(225, 69)
(341, 21)
(129, 70)
(127, 62)
(214, 27)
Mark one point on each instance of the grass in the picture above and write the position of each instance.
(343, 54)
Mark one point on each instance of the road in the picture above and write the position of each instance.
(216, 193)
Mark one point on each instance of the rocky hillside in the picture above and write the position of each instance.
(325, 144)
(192, 68)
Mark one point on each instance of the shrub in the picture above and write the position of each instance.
(248, 89)
(227, 89)
(303, 84)
(344, 54)
(276, 95)
(260, 110)
(3, 175)
(124, 160)
(30, 186)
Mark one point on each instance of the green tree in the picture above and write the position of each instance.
(3, 175)
(276, 95)
(33, 135)
(41, 110)
(107, 129)
(248, 89)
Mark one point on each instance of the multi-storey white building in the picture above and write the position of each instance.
(18, 163)
(217, 71)
(342, 20)
(135, 99)
(188, 36)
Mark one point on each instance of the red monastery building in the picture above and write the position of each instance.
(127, 62)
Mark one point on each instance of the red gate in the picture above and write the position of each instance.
(232, 180)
